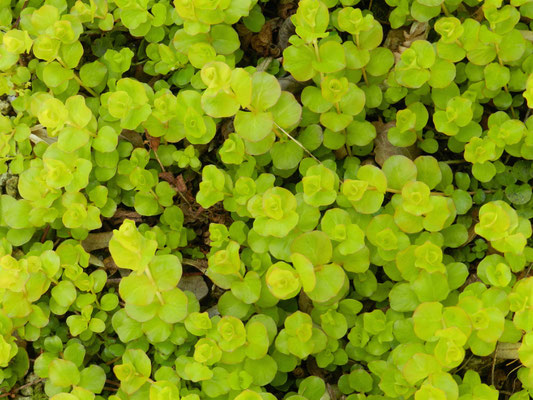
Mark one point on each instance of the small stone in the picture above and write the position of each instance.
(195, 284)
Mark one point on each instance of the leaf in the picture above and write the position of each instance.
(241, 83)
(315, 245)
(297, 59)
(64, 293)
(305, 270)
(253, 126)
(137, 289)
(286, 155)
(219, 104)
(331, 281)
(427, 319)
(384, 149)
(166, 271)
(63, 373)
(265, 91)
(175, 306)
(282, 281)
(225, 39)
(127, 328)
(249, 289)
(332, 57)
(93, 378)
(139, 360)
(399, 170)
(287, 111)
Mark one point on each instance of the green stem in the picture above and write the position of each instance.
(317, 54)
(77, 79)
(88, 89)
(154, 194)
(364, 76)
(151, 278)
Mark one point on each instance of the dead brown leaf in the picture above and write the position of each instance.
(179, 185)
(471, 235)
(121, 214)
(417, 31)
(200, 264)
(96, 241)
(289, 84)
(245, 35)
(286, 30)
(286, 8)
(479, 14)
(398, 40)
(304, 303)
(384, 149)
(334, 392)
(133, 137)
(110, 266)
(262, 41)
(226, 127)
(314, 369)
(153, 142)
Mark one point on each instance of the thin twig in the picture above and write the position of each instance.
(149, 142)
(199, 265)
(464, 364)
(158, 160)
(77, 79)
(511, 362)
(320, 162)
(45, 233)
(265, 63)
(455, 162)
(297, 142)
(13, 391)
(513, 370)
(493, 366)
(182, 196)
(112, 361)
(16, 24)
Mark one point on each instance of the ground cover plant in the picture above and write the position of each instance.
(246, 200)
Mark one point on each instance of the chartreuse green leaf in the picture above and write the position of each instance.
(305, 269)
(276, 212)
(311, 20)
(427, 320)
(232, 333)
(212, 186)
(366, 193)
(320, 184)
(258, 340)
(331, 282)
(282, 281)
(130, 249)
(256, 198)
(134, 370)
(63, 373)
